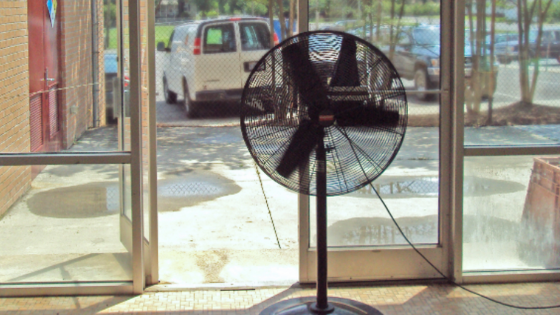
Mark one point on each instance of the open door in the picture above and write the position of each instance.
(45, 129)
(120, 103)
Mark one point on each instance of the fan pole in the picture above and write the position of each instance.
(322, 301)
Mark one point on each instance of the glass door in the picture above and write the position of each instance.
(511, 147)
(364, 242)
(71, 175)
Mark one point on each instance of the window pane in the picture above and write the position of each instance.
(254, 36)
(510, 207)
(62, 225)
(410, 186)
(512, 93)
(219, 39)
(55, 86)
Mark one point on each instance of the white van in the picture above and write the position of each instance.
(211, 60)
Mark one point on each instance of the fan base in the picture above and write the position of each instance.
(306, 305)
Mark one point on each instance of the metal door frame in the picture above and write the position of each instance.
(132, 157)
(393, 262)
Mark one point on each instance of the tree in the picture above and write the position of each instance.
(526, 12)
(109, 18)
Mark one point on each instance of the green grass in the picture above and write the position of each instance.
(162, 35)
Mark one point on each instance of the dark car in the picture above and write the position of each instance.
(112, 87)
(550, 44)
(508, 51)
(111, 72)
(417, 57)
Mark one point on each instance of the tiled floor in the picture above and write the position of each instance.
(389, 299)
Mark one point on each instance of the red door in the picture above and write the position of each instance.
(43, 76)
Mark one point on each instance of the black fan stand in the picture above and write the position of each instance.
(322, 304)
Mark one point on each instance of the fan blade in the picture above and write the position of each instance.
(301, 145)
(346, 69)
(354, 113)
(304, 76)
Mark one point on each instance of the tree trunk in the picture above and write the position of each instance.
(271, 21)
(282, 20)
(291, 21)
(316, 14)
(492, 70)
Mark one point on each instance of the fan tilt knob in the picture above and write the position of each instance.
(326, 118)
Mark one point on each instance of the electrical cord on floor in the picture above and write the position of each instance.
(445, 277)
(267, 206)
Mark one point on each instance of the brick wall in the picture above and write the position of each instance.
(76, 67)
(14, 99)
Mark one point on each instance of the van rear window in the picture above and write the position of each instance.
(219, 39)
(254, 36)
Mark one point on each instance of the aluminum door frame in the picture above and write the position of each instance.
(132, 157)
(393, 262)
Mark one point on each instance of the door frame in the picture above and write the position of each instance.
(132, 157)
(393, 262)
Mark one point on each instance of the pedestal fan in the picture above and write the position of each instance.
(323, 113)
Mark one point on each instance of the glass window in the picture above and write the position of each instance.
(65, 225)
(510, 211)
(254, 36)
(427, 36)
(219, 39)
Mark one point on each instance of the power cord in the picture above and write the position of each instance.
(445, 277)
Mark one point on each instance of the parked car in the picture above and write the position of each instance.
(507, 51)
(113, 87)
(550, 44)
(111, 66)
(340, 26)
(278, 29)
(211, 60)
(417, 57)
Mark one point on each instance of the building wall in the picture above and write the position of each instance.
(14, 99)
(76, 67)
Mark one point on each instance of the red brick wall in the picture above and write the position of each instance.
(14, 99)
(75, 68)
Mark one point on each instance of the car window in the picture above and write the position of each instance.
(547, 36)
(254, 36)
(219, 39)
(181, 35)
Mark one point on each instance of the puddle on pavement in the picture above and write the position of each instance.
(193, 189)
(428, 187)
(81, 201)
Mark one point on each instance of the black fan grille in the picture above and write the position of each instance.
(274, 108)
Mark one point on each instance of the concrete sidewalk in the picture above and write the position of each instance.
(222, 225)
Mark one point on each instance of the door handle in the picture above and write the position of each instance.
(47, 76)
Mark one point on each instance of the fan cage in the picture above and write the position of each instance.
(272, 110)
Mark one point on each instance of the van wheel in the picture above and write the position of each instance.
(190, 107)
(170, 97)
(422, 83)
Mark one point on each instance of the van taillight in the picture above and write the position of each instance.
(276, 42)
(196, 50)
